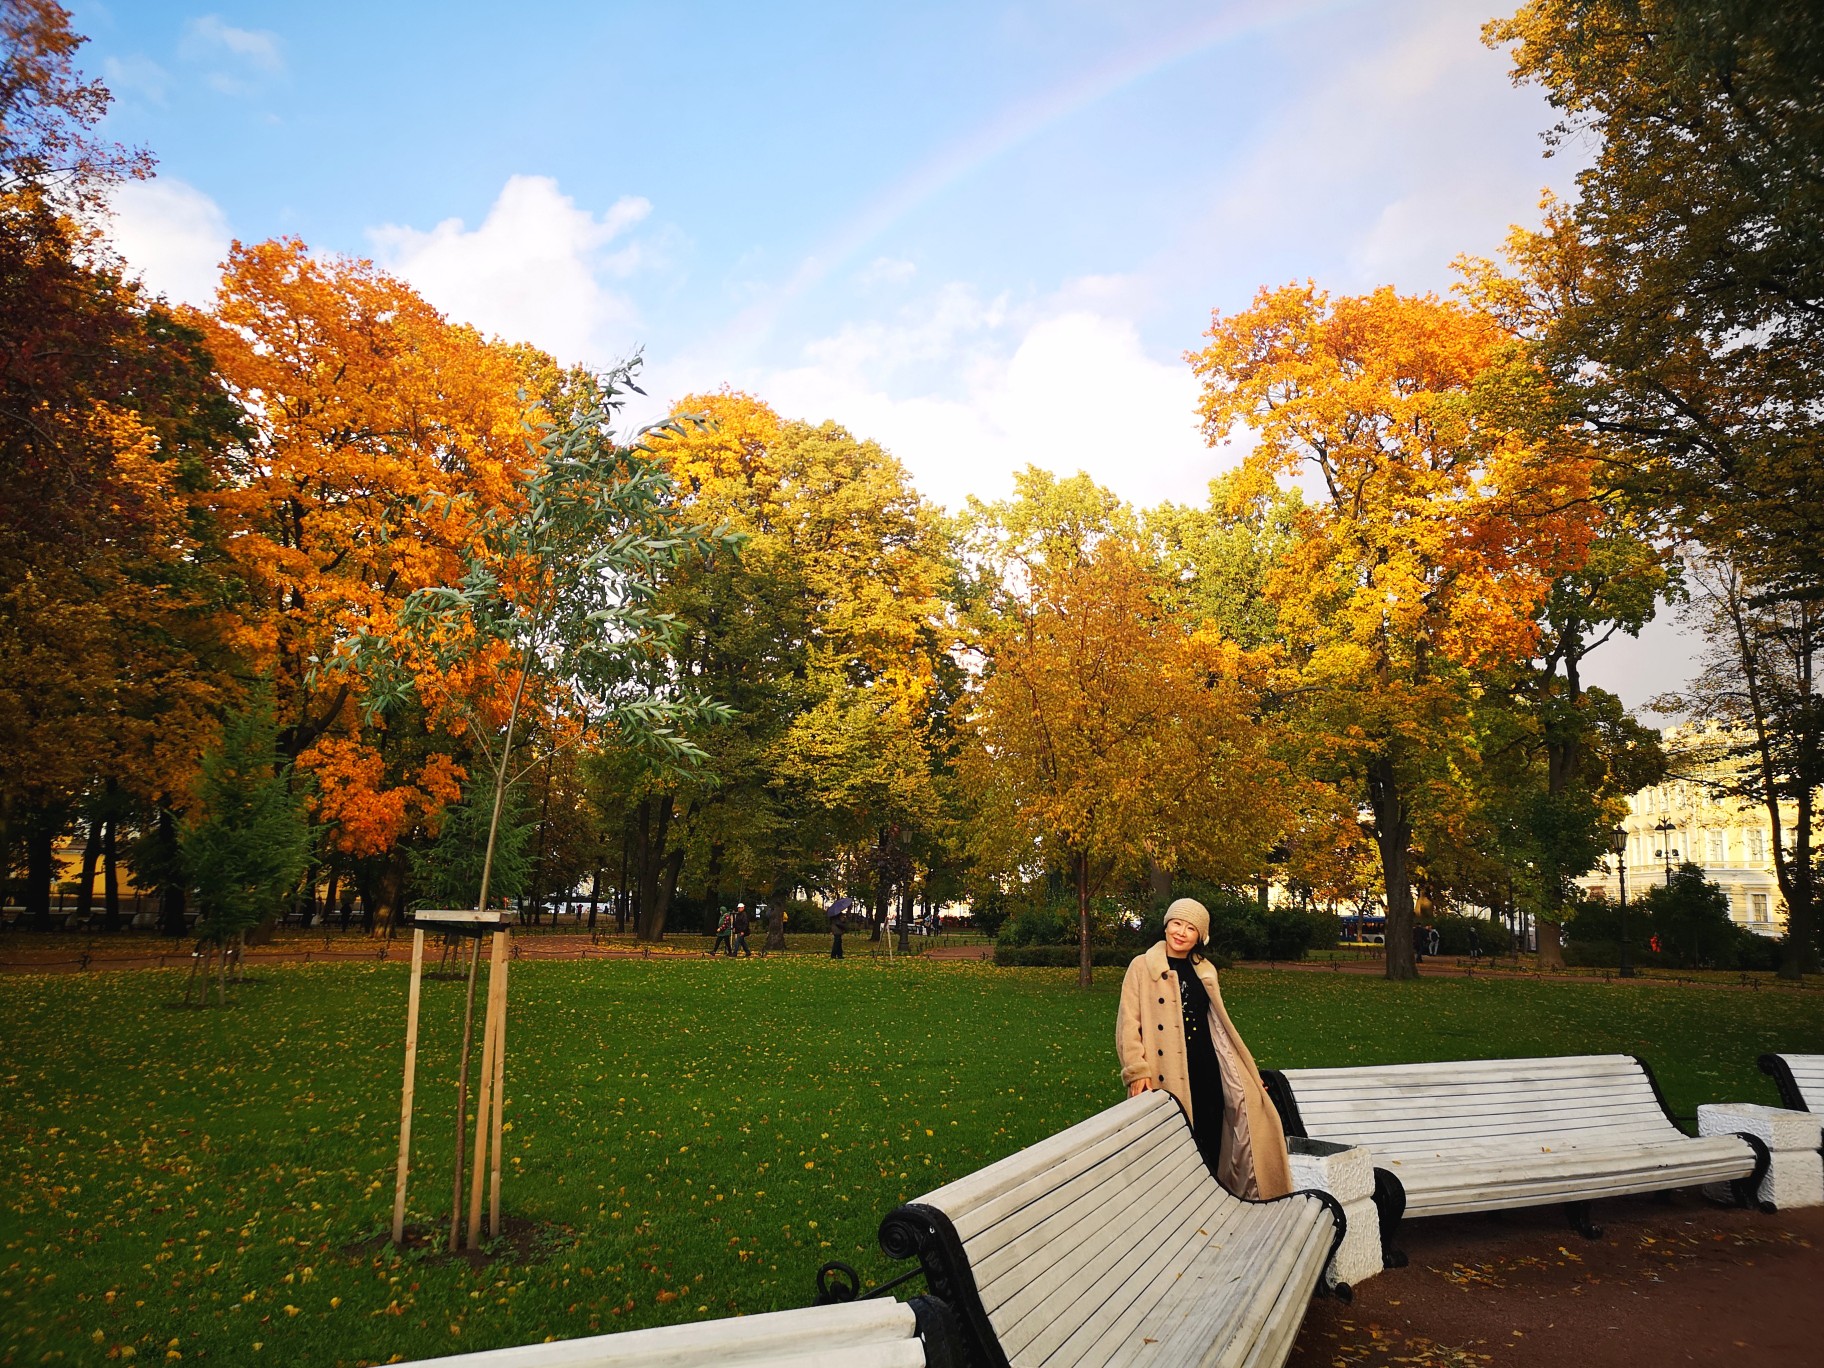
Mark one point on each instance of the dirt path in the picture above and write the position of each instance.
(1670, 1282)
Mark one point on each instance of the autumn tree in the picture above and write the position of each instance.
(361, 401)
(1424, 560)
(1696, 336)
(112, 436)
(1107, 731)
(556, 605)
(828, 638)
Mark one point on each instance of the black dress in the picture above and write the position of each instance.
(1201, 1062)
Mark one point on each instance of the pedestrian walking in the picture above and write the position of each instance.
(725, 930)
(743, 923)
(837, 910)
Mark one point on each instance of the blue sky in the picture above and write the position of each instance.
(982, 234)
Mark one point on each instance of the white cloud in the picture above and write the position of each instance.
(533, 271)
(210, 38)
(886, 271)
(136, 75)
(173, 235)
(1065, 388)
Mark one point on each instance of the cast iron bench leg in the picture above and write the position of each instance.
(1578, 1213)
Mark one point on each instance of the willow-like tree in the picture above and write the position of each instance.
(554, 622)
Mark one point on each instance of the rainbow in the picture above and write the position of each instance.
(1018, 124)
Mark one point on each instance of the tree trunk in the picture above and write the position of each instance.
(40, 864)
(1158, 882)
(389, 896)
(172, 918)
(1085, 966)
(595, 895)
(654, 831)
(905, 918)
(110, 875)
(712, 875)
(85, 882)
(1393, 836)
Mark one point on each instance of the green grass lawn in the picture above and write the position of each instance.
(694, 1138)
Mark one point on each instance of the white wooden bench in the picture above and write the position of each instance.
(859, 1334)
(1110, 1243)
(1800, 1079)
(1490, 1134)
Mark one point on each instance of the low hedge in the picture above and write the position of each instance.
(1067, 957)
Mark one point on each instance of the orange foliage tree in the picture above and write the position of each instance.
(1436, 530)
(362, 403)
(111, 438)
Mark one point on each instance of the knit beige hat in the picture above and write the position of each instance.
(1194, 912)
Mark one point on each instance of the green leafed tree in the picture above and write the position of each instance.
(249, 841)
(448, 871)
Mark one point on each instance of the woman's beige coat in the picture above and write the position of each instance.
(1149, 1038)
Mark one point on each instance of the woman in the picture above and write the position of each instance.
(1173, 1033)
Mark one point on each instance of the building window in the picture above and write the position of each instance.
(1760, 907)
(1757, 846)
(1719, 850)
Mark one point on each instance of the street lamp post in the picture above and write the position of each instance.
(1665, 828)
(1619, 840)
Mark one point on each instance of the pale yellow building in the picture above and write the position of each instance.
(1683, 820)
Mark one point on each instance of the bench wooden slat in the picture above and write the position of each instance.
(1505, 1126)
(1807, 1072)
(1214, 1292)
(1122, 1296)
(816, 1337)
(1033, 1313)
(1260, 1326)
(1281, 1329)
(999, 1219)
(971, 1190)
(1085, 1226)
(1645, 1112)
(1073, 1246)
(1480, 1135)
(1449, 1070)
(1141, 1295)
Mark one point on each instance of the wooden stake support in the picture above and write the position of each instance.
(411, 1074)
(484, 1093)
(500, 1095)
(489, 1098)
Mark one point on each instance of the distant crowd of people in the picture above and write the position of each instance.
(732, 928)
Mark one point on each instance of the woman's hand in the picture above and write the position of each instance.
(1140, 1085)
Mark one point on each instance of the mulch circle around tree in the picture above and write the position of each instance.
(1671, 1281)
(521, 1241)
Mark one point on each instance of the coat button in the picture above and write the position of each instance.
(1162, 1025)
(1162, 1055)
(1162, 1078)
(1161, 1000)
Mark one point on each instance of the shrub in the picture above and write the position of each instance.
(1037, 925)
(1492, 937)
(1065, 957)
(989, 911)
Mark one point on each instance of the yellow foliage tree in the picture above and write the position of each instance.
(1422, 562)
(1107, 729)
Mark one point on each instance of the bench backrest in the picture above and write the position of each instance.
(1423, 1110)
(1801, 1080)
(863, 1334)
(1050, 1240)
